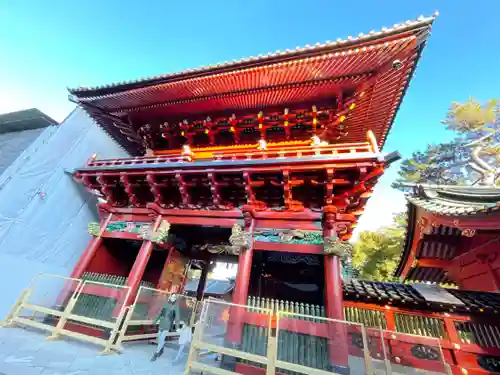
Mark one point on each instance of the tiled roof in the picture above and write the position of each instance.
(456, 200)
(404, 295)
(350, 40)
(379, 293)
(375, 69)
(447, 201)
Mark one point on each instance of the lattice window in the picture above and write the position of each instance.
(370, 318)
(420, 325)
(484, 335)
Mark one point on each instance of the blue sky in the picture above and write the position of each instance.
(47, 46)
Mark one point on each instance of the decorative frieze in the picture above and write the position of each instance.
(289, 236)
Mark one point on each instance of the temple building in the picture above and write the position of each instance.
(268, 162)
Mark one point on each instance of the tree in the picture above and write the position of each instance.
(471, 158)
(376, 254)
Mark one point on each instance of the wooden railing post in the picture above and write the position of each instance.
(16, 308)
(67, 312)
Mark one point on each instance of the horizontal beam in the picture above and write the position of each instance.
(288, 248)
(432, 263)
(237, 164)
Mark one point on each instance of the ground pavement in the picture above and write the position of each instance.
(27, 352)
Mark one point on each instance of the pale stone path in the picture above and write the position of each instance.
(27, 352)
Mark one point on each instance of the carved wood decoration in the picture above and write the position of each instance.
(289, 236)
(425, 352)
(94, 229)
(239, 239)
(280, 190)
(468, 232)
(159, 236)
(333, 245)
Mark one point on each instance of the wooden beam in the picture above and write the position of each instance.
(412, 255)
(432, 263)
(287, 248)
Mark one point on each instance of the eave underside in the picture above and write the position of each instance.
(315, 75)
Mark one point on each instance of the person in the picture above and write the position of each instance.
(168, 316)
(185, 338)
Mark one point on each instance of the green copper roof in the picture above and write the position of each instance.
(456, 200)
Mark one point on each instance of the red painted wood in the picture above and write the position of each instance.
(334, 306)
(104, 262)
(286, 248)
(245, 369)
(137, 271)
(433, 263)
(490, 222)
(86, 258)
(240, 293)
(104, 291)
(85, 330)
(122, 235)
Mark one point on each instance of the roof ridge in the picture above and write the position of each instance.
(384, 31)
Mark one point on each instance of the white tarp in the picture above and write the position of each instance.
(43, 214)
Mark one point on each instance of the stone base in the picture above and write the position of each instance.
(228, 362)
(344, 370)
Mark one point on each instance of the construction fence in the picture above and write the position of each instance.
(94, 311)
(272, 337)
(236, 339)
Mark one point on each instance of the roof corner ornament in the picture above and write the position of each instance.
(239, 239)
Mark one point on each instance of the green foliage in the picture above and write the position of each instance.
(376, 254)
(470, 158)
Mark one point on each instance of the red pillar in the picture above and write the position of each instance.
(90, 251)
(82, 265)
(334, 302)
(137, 271)
(240, 292)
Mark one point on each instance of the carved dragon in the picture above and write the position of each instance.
(333, 245)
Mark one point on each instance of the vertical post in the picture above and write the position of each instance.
(200, 291)
(240, 293)
(90, 251)
(161, 283)
(334, 300)
(137, 271)
(234, 333)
